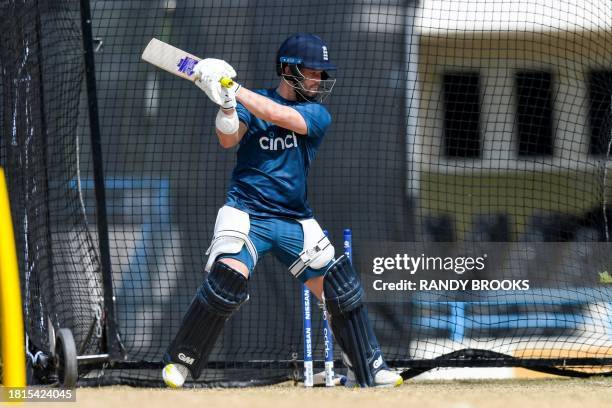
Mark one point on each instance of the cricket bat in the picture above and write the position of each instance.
(174, 61)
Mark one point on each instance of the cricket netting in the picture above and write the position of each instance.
(460, 128)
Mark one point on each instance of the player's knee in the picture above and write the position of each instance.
(342, 287)
(316, 286)
(236, 265)
(224, 290)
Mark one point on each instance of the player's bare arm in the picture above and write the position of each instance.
(229, 140)
(266, 109)
(297, 84)
(270, 111)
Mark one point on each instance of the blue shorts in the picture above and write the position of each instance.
(283, 237)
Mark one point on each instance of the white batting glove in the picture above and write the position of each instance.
(229, 96)
(213, 68)
(209, 74)
(212, 89)
(222, 96)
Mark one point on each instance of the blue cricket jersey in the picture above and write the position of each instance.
(272, 167)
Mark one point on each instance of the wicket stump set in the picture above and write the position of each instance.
(327, 334)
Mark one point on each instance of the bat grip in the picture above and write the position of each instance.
(226, 82)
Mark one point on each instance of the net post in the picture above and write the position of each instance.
(113, 344)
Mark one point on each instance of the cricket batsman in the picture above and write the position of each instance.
(278, 132)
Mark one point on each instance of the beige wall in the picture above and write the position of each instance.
(571, 181)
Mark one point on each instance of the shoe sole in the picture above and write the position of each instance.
(397, 383)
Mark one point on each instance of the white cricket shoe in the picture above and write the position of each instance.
(382, 379)
(388, 378)
(174, 375)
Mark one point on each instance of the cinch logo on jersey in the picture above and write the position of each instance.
(278, 143)
(185, 359)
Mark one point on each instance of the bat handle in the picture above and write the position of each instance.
(226, 82)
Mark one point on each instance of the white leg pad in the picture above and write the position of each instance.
(317, 252)
(231, 233)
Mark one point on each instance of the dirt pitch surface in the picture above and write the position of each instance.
(553, 393)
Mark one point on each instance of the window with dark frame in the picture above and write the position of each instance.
(600, 111)
(461, 93)
(534, 113)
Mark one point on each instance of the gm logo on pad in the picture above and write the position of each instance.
(378, 362)
(185, 359)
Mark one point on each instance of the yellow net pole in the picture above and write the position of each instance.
(11, 318)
